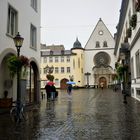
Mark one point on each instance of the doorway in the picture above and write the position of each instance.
(63, 84)
(103, 81)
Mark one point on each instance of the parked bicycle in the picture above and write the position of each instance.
(17, 112)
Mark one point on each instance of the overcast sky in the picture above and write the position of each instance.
(64, 20)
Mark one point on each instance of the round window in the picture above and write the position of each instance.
(102, 58)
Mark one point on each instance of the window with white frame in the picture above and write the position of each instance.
(62, 58)
(56, 70)
(138, 63)
(78, 62)
(50, 59)
(12, 25)
(138, 93)
(132, 68)
(81, 70)
(33, 36)
(81, 56)
(45, 59)
(56, 59)
(62, 70)
(56, 82)
(73, 63)
(68, 58)
(44, 70)
(34, 4)
(132, 91)
(68, 69)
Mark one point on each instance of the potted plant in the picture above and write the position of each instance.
(120, 70)
(137, 5)
(133, 21)
(126, 39)
(17, 63)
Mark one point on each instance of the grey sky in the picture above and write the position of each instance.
(64, 20)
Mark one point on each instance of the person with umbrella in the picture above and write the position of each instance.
(69, 89)
(50, 90)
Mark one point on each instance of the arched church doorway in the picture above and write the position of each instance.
(102, 81)
(63, 84)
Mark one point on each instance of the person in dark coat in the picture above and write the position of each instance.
(48, 91)
(69, 89)
(51, 91)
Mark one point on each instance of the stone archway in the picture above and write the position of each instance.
(7, 81)
(32, 85)
(63, 84)
(102, 80)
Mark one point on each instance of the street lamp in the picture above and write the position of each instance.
(123, 52)
(18, 40)
(49, 70)
(87, 74)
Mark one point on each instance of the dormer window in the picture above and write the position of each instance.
(51, 52)
(97, 44)
(62, 52)
(105, 44)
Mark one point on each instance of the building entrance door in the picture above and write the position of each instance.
(63, 84)
(102, 81)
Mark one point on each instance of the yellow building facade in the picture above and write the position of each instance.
(66, 64)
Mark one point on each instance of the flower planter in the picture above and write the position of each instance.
(129, 32)
(133, 21)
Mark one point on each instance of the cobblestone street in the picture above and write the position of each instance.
(90, 114)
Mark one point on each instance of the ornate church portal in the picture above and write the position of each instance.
(102, 71)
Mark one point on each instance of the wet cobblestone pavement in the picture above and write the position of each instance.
(90, 114)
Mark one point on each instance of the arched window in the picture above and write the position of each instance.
(97, 44)
(73, 63)
(105, 44)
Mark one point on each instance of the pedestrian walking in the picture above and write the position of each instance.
(53, 91)
(69, 89)
(48, 91)
(102, 85)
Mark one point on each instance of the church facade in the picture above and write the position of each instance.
(99, 57)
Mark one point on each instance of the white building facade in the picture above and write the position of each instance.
(99, 57)
(23, 17)
(128, 35)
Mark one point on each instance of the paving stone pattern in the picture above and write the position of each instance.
(89, 114)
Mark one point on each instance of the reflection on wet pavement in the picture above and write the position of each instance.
(89, 114)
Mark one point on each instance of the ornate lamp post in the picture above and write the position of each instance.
(87, 74)
(49, 70)
(18, 40)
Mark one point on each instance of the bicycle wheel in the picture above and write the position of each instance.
(13, 114)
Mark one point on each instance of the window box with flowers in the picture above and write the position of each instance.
(129, 32)
(15, 63)
(133, 21)
(120, 70)
(126, 39)
(137, 5)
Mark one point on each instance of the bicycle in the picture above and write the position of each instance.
(17, 113)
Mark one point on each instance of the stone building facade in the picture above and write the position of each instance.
(23, 17)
